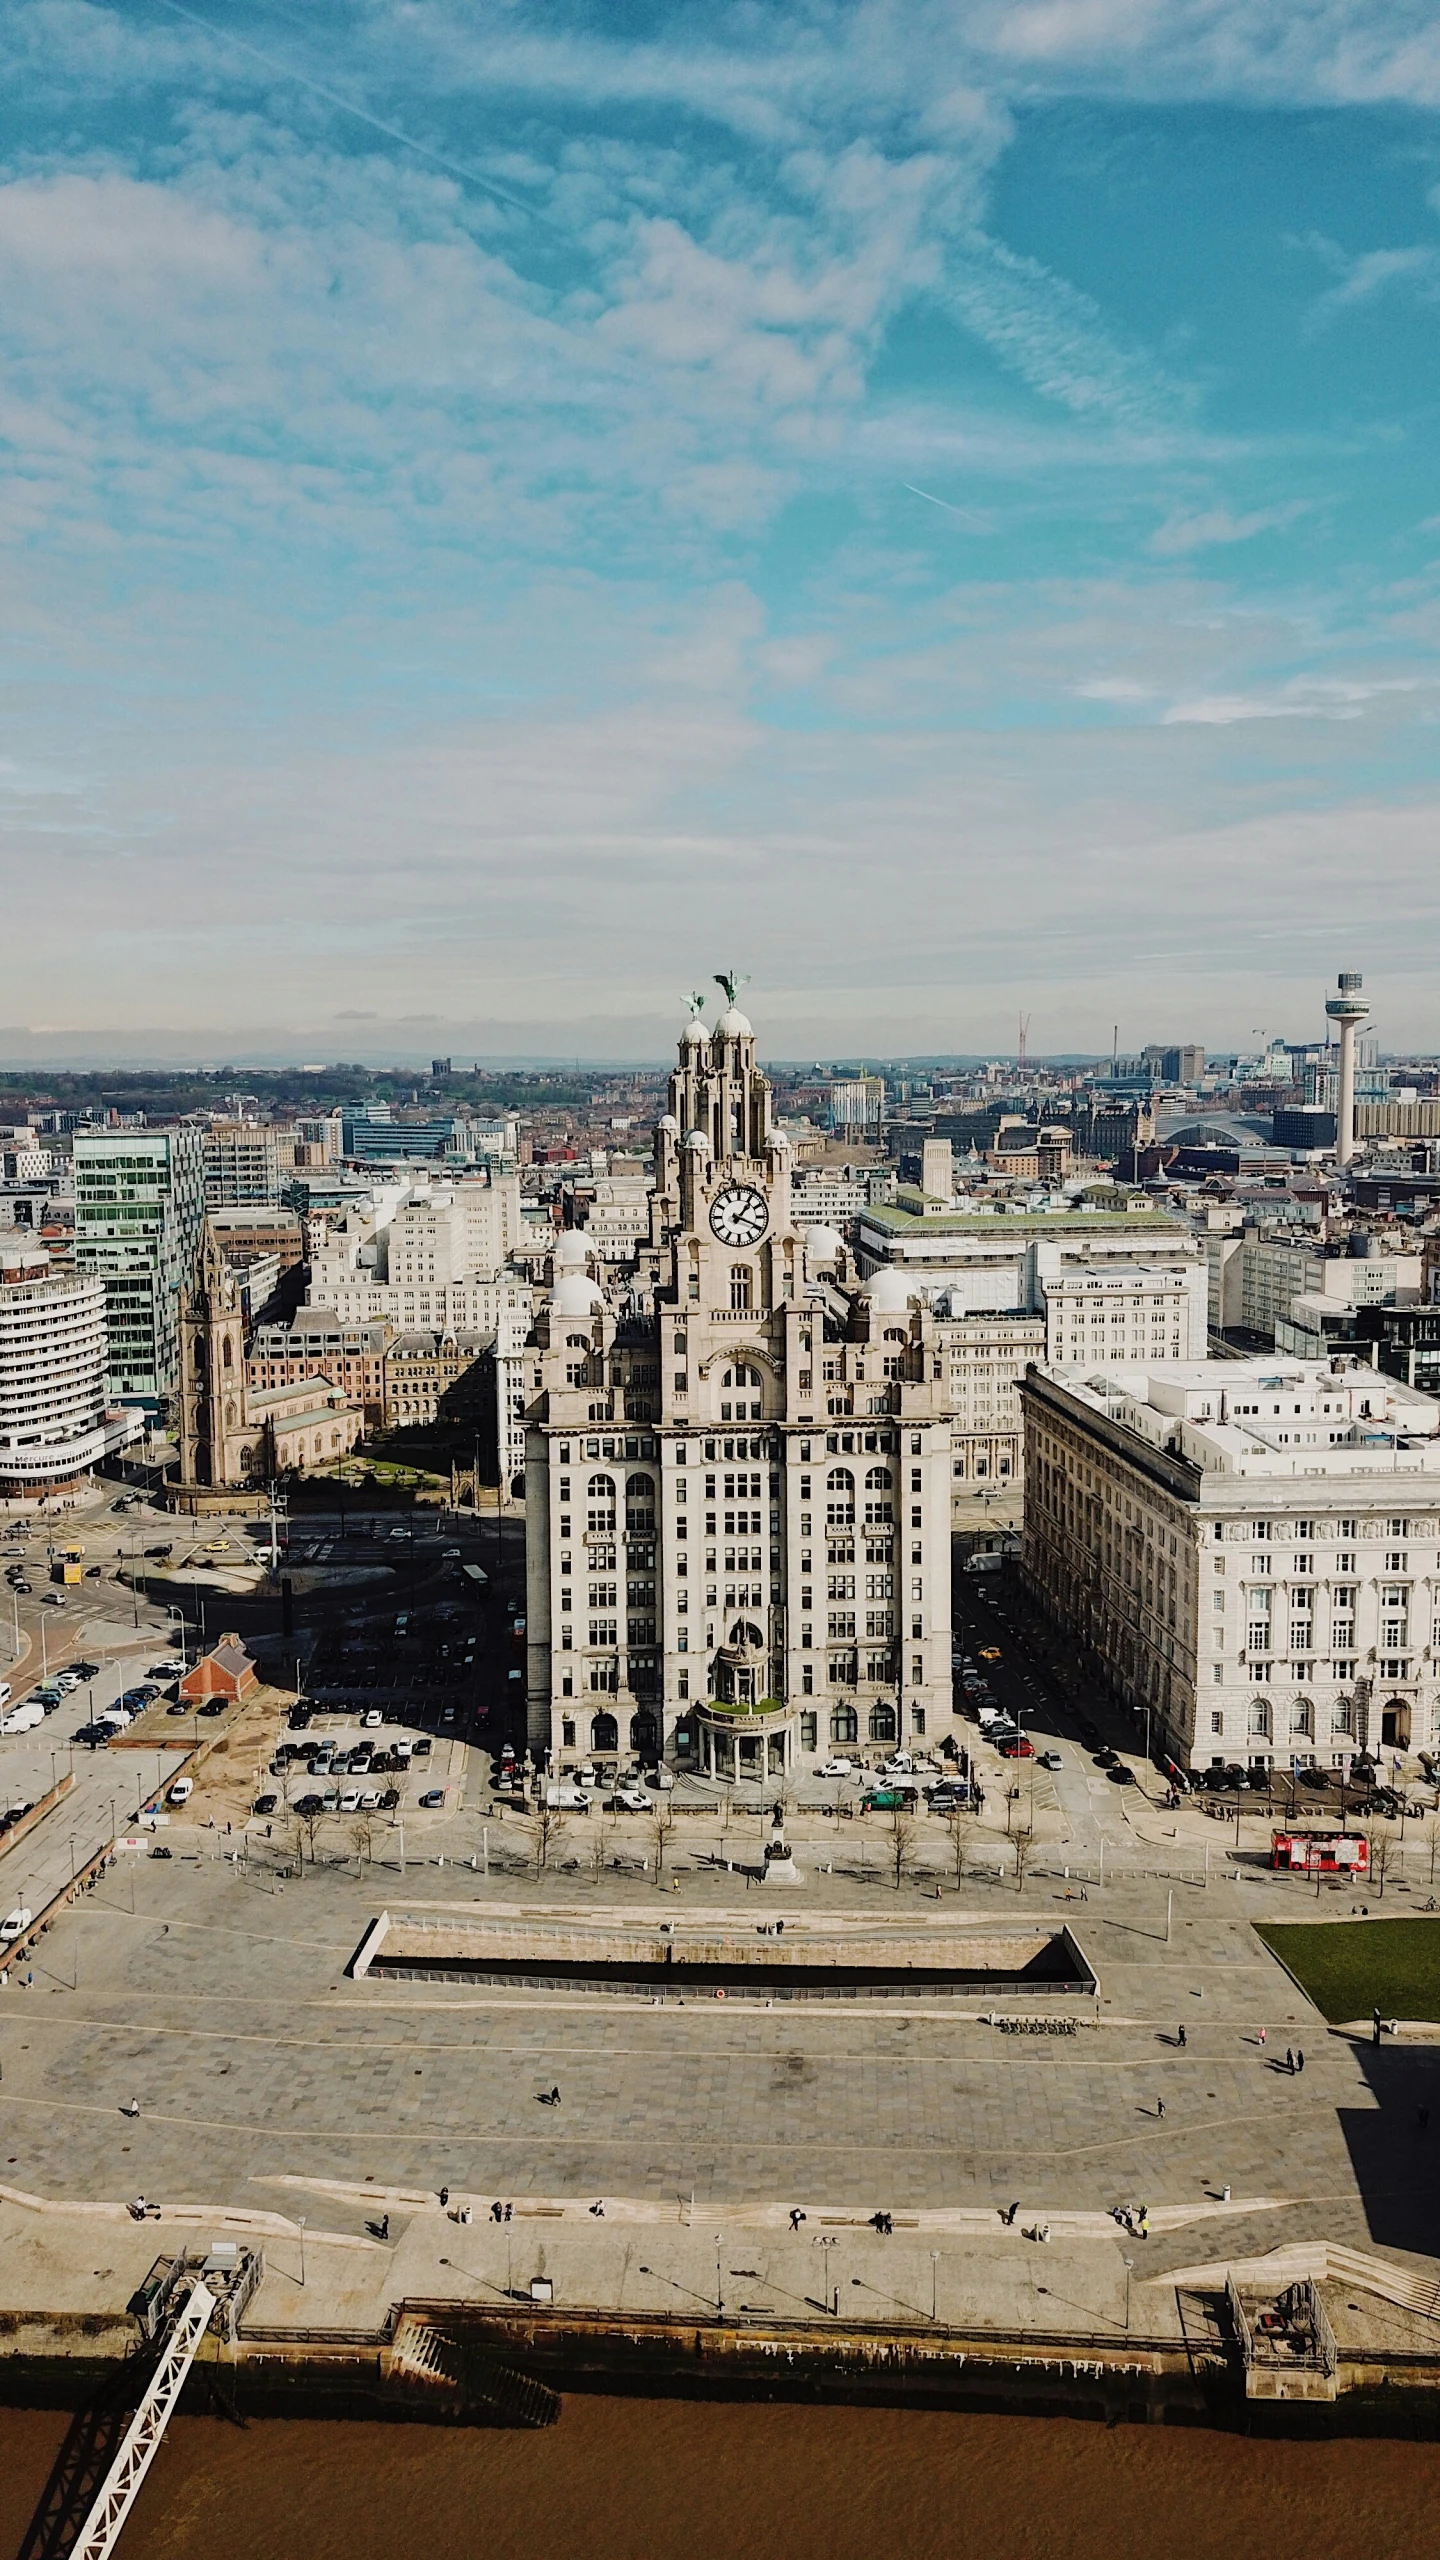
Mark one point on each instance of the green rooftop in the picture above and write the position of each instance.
(969, 1222)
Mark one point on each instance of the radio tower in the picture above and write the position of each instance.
(1349, 1009)
(1024, 1034)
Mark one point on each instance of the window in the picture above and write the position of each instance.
(1217, 1720)
(740, 1283)
(882, 1723)
(844, 1724)
(810, 1732)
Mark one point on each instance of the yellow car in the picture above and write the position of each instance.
(989, 1653)
(217, 1546)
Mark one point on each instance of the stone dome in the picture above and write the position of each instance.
(697, 1140)
(576, 1296)
(734, 1025)
(694, 1034)
(822, 1244)
(668, 1125)
(890, 1292)
(570, 1250)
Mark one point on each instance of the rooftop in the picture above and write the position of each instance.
(1272, 1416)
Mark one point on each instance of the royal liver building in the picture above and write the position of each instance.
(738, 1500)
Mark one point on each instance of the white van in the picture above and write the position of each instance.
(14, 1925)
(563, 1799)
(182, 1791)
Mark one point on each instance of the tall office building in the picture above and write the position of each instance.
(737, 1505)
(139, 1201)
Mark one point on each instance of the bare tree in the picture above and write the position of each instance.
(902, 1843)
(362, 1841)
(961, 1826)
(602, 1833)
(550, 1828)
(1431, 1830)
(310, 1824)
(1024, 1843)
(1381, 1844)
(662, 1824)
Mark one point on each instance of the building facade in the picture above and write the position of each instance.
(242, 1165)
(1250, 1548)
(737, 1497)
(53, 1368)
(139, 1201)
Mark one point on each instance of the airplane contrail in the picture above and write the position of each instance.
(363, 115)
(966, 514)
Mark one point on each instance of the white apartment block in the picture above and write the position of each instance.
(824, 1195)
(1252, 1548)
(737, 1502)
(53, 1362)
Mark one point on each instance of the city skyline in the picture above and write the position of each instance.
(496, 497)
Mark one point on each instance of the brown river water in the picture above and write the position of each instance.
(668, 2480)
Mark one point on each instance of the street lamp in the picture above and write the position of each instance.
(719, 2289)
(934, 2282)
(1129, 2264)
(827, 2242)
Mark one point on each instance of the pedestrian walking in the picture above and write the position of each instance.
(1260, 2039)
(554, 2097)
(1160, 2109)
(497, 2211)
(1180, 2039)
(444, 2195)
(1299, 2059)
(796, 2217)
(1290, 2062)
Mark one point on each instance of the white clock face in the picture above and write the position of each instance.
(738, 1214)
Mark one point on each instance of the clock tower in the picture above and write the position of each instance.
(717, 1480)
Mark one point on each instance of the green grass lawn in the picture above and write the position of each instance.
(1350, 1967)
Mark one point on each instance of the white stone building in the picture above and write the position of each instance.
(53, 1357)
(737, 1499)
(1251, 1548)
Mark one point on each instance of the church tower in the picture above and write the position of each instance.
(215, 1444)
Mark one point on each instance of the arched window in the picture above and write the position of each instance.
(741, 1377)
(844, 1725)
(228, 1355)
(882, 1724)
(639, 1488)
(644, 1733)
(577, 1342)
(247, 1460)
(601, 1489)
(840, 1499)
(230, 1415)
(746, 1635)
(877, 1479)
(740, 1283)
(604, 1734)
(893, 1333)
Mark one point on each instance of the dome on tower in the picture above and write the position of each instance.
(734, 1025)
(822, 1245)
(570, 1251)
(667, 1125)
(574, 1295)
(890, 1292)
(694, 1034)
(697, 1141)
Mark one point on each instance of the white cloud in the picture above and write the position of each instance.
(1181, 534)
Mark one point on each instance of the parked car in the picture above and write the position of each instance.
(265, 1804)
(182, 1791)
(1052, 1760)
(1120, 1776)
(389, 1798)
(629, 1800)
(1017, 1746)
(435, 1796)
(86, 1670)
(15, 1924)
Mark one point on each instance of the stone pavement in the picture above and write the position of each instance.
(265, 2076)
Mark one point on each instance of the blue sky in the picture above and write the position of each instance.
(507, 508)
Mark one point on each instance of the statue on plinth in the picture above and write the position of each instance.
(779, 1867)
